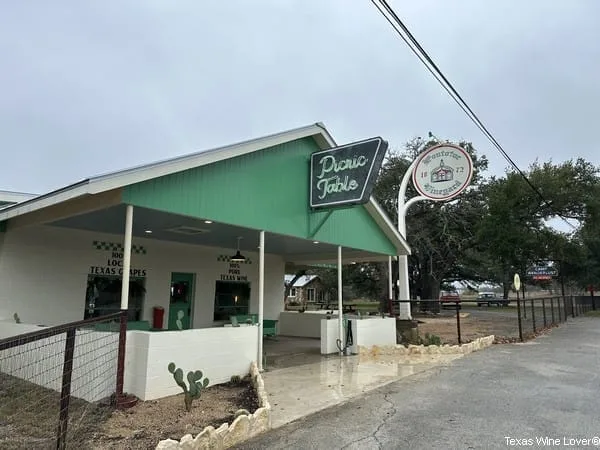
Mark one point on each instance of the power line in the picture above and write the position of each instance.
(432, 67)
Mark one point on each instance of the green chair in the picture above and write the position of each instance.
(269, 325)
(270, 328)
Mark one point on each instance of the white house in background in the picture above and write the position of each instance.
(196, 224)
(306, 289)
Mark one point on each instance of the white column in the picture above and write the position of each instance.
(403, 281)
(403, 287)
(390, 280)
(340, 303)
(127, 257)
(261, 298)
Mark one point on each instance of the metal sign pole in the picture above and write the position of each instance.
(517, 285)
(403, 280)
(442, 182)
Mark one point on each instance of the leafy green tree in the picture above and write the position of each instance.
(514, 233)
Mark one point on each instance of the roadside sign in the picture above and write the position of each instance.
(517, 282)
(542, 273)
(442, 172)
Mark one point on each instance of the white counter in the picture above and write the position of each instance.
(366, 331)
(296, 324)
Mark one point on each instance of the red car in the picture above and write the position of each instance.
(449, 299)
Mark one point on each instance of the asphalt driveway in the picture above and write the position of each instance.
(549, 388)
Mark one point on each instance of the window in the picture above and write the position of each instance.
(292, 292)
(310, 295)
(231, 299)
(103, 296)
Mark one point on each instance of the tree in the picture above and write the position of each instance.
(363, 280)
(514, 232)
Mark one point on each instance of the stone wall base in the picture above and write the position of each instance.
(228, 435)
(401, 350)
(406, 331)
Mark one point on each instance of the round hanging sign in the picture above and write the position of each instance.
(517, 281)
(442, 172)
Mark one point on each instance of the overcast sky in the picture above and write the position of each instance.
(93, 86)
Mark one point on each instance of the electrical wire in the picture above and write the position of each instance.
(432, 67)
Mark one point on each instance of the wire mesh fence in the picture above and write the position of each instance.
(58, 384)
(513, 320)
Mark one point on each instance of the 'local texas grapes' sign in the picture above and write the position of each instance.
(345, 175)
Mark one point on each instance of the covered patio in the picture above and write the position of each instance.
(138, 226)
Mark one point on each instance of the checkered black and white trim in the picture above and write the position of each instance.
(117, 247)
(225, 258)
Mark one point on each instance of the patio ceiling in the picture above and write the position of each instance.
(158, 225)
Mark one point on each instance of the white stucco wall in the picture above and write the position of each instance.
(218, 352)
(371, 331)
(43, 274)
(366, 331)
(306, 324)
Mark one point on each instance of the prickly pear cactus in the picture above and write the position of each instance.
(196, 384)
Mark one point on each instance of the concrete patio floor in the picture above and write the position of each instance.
(300, 381)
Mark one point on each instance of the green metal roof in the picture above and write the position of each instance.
(264, 190)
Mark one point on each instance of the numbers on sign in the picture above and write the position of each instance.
(460, 169)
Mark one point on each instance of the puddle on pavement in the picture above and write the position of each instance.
(297, 391)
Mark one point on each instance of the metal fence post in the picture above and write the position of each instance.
(458, 323)
(552, 309)
(519, 317)
(559, 310)
(544, 311)
(121, 356)
(533, 315)
(65, 393)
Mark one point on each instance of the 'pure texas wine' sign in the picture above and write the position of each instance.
(345, 175)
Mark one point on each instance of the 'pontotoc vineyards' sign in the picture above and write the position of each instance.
(345, 175)
(442, 172)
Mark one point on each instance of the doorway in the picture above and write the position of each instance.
(181, 301)
(231, 298)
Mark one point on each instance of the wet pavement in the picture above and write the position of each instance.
(300, 381)
(540, 391)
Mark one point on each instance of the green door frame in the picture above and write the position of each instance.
(175, 307)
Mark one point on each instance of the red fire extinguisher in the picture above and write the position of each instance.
(158, 314)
